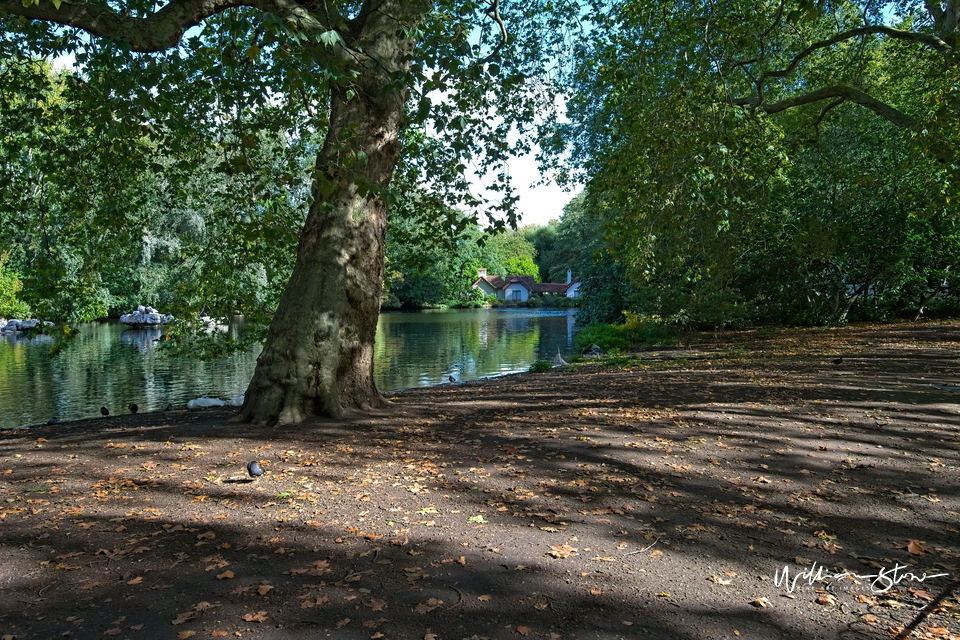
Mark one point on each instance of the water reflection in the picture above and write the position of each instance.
(111, 365)
(425, 348)
(143, 339)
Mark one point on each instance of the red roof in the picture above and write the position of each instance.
(498, 283)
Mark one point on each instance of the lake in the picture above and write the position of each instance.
(113, 366)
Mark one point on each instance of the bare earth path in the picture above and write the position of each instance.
(658, 499)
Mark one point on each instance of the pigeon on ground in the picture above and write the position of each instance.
(104, 411)
(452, 379)
(134, 408)
(253, 468)
(838, 360)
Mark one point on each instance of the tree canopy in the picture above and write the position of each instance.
(765, 161)
(177, 90)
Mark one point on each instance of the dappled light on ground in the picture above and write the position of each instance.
(658, 499)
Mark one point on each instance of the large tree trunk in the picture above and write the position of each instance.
(318, 358)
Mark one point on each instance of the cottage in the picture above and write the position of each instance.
(519, 288)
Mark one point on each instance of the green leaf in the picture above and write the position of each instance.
(56, 4)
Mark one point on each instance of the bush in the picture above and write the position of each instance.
(606, 336)
(540, 366)
(563, 302)
(10, 305)
(619, 337)
(648, 331)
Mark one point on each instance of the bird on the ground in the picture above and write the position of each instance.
(134, 408)
(838, 360)
(452, 379)
(53, 420)
(254, 469)
(104, 411)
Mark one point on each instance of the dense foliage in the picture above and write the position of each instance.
(744, 162)
(765, 162)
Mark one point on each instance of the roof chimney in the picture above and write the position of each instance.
(569, 276)
(483, 272)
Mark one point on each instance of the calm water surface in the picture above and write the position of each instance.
(113, 366)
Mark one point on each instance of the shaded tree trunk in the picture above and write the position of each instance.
(318, 357)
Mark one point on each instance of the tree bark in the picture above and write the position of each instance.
(318, 357)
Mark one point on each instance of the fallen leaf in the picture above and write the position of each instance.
(596, 592)
(209, 535)
(112, 632)
(264, 589)
(428, 606)
(226, 575)
(484, 598)
(563, 551)
(914, 546)
(377, 605)
(718, 580)
(343, 623)
(541, 606)
(761, 603)
(183, 617)
(921, 594)
(136, 580)
(259, 616)
(869, 618)
(89, 585)
(522, 630)
(186, 634)
(826, 599)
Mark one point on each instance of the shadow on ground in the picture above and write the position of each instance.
(655, 501)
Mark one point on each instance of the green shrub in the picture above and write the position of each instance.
(619, 337)
(10, 305)
(606, 336)
(648, 331)
(563, 302)
(540, 366)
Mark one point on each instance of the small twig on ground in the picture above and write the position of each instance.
(459, 593)
(642, 550)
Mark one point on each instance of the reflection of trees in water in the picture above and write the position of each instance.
(107, 365)
(415, 349)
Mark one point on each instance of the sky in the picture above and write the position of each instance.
(538, 205)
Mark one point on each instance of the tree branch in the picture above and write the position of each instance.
(911, 36)
(158, 31)
(882, 109)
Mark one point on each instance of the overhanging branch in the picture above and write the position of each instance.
(882, 109)
(158, 31)
(911, 36)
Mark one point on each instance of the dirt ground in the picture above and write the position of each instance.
(660, 497)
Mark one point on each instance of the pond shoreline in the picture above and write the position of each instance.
(595, 501)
